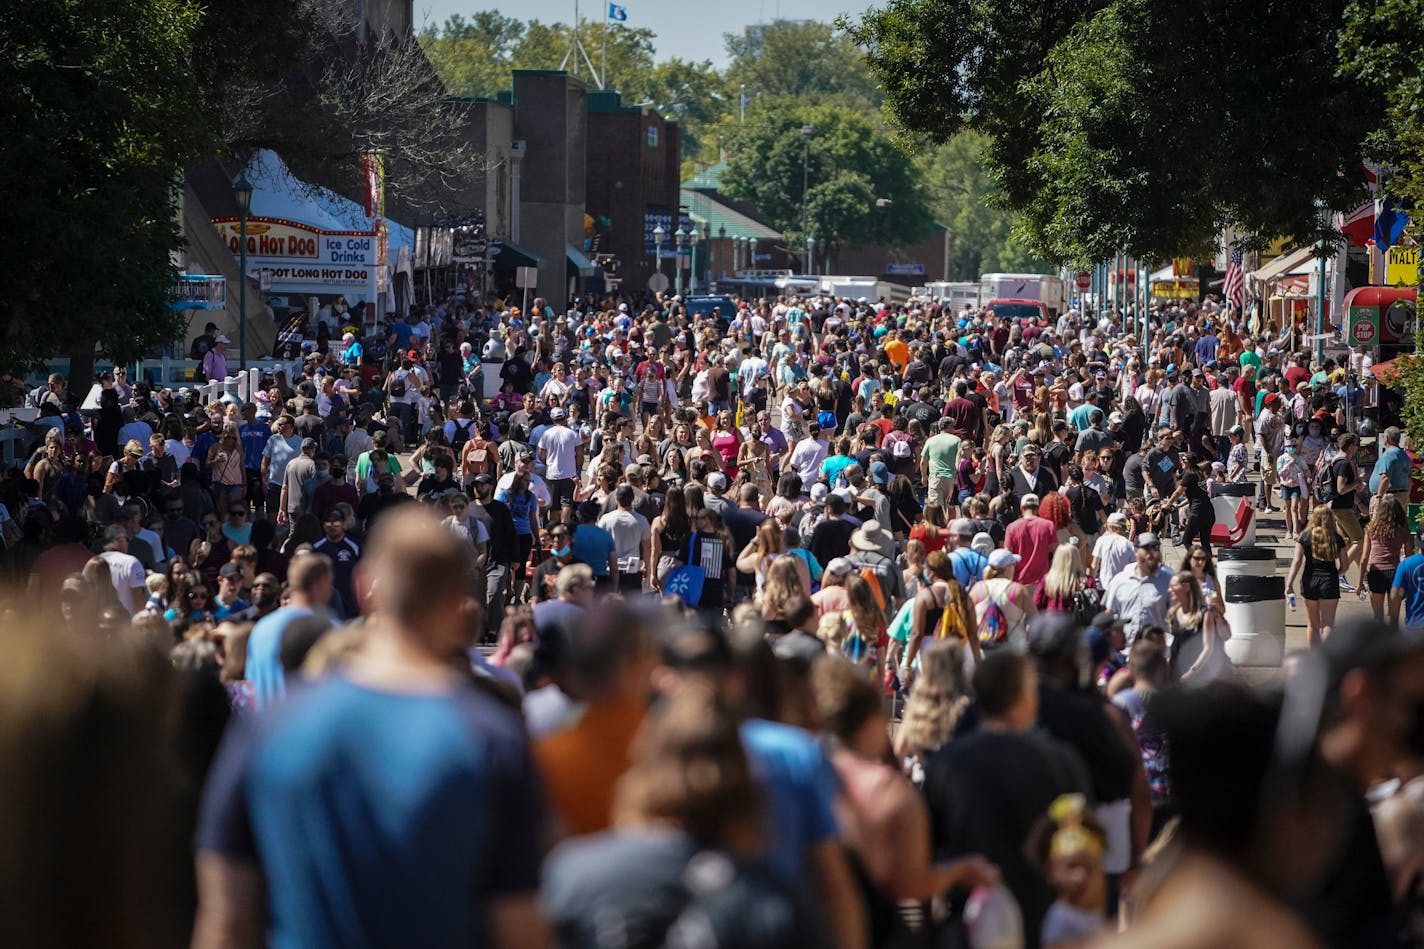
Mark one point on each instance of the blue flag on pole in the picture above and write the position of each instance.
(1390, 225)
(617, 14)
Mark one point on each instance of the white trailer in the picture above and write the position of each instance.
(1048, 289)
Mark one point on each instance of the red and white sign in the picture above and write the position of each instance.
(1362, 333)
(1085, 280)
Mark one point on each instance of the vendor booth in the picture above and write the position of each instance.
(307, 246)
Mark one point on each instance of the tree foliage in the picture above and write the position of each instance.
(962, 197)
(800, 59)
(1134, 124)
(101, 112)
(850, 164)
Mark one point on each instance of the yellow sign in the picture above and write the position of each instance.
(1401, 267)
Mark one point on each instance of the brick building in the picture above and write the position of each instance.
(634, 158)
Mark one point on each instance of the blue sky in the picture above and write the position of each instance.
(689, 29)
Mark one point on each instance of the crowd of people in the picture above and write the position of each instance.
(816, 622)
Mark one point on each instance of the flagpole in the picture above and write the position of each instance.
(603, 64)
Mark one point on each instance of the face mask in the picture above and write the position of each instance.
(562, 551)
(323, 472)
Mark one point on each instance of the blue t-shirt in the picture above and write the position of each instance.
(402, 331)
(800, 785)
(520, 507)
(1394, 460)
(264, 652)
(366, 837)
(253, 439)
(968, 565)
(1081, 418)
(834, 465)
(592, 545)
(1409, 577)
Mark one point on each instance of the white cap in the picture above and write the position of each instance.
(818, 492)
(1002, 558)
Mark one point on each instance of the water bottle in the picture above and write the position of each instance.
(1290, 598)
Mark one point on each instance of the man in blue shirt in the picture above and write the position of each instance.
(1391, 474)
(968, 564)
(1408, 588)
(393, 803)
(253, 436)
(595, 546)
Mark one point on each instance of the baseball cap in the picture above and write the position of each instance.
(484, 479)
(1002, 558)
(880, 473)
(982, 543)
(413, 355)
(1115, 418)
(230, 569)
(1147, 539)
(1117, 519)
(819, 493)
(1029, 500)
(839, 566)
(335, 514)
(961, 527)
(717, 481)
(556, 413)
(308, 443)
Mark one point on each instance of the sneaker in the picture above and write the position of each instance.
(1346, 585)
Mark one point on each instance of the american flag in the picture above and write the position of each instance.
(1235, 284)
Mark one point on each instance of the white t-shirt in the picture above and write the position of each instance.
(629, 530)
(1114, 552)
(537, 486)
(559, 444)
(127, 574)
(806, 458)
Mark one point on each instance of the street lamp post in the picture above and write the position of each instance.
(694, 238)
(806, 132)
(242, 191)
(751, 253)
(658, 235)
(679, 240)
(810, 254)
(736, 253)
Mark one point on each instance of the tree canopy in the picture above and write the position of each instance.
(1143, 125)
(110, 100)
(859, 186)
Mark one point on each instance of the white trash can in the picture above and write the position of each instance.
(1255, 596)
(1225, 499)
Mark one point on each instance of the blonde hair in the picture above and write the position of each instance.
(915, 552)
(939, 696)
(832, 629)
(1324, 542)
(782, 585)
(1065, 574)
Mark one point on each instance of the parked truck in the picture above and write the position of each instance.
(1047, 289)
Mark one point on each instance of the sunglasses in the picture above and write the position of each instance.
(237, 512)
(263, 585)
(1198, 558)
(210, 523)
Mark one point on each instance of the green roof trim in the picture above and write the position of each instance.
(717, 215)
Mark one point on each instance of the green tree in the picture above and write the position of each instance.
(102, 112)
(695, 94)
(1108, 130)
(831, 185)
(800, 59)
(474, 57)
(630, 53)
(961, 193)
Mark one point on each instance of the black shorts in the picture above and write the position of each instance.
(561, 492)
(1320, 588)
(1378, 581)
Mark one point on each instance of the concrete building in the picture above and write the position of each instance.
(550, 118)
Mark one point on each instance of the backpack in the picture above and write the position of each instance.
(869, 575)
(1087, 604)
(462, 434)
(1324, 488)
(994, 624)
(398, 387)
(479, 460)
